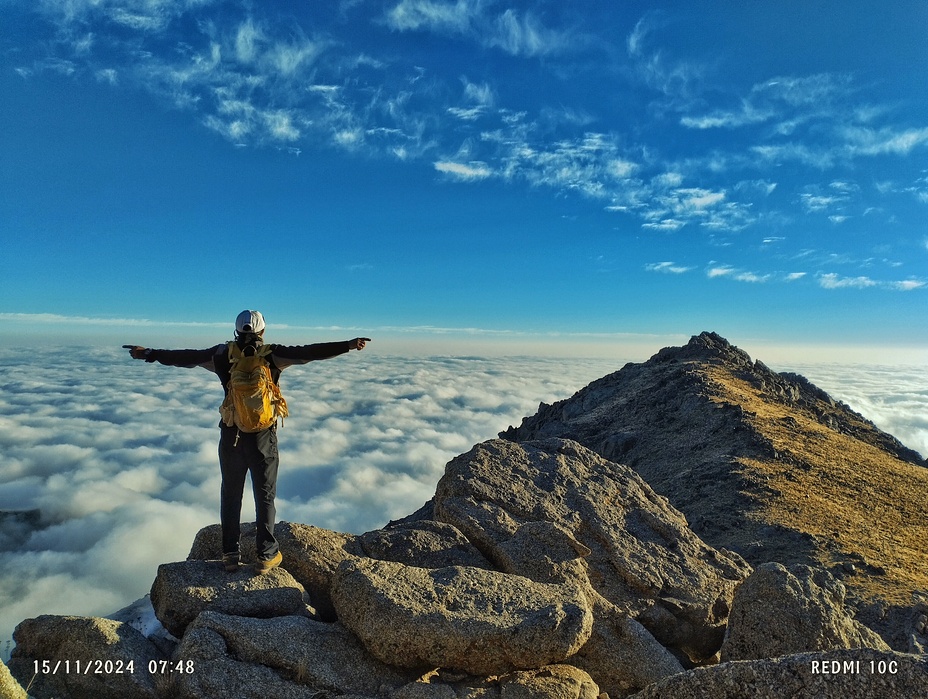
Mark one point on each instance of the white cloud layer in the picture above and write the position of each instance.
(121, 460)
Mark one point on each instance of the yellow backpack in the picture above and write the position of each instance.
(253, 402)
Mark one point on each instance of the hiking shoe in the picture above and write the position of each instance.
(265, 564)
(230, 562)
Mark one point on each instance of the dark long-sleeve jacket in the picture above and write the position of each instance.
(216, 359)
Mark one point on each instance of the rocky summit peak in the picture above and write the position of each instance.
(707, 346)
(763, 463)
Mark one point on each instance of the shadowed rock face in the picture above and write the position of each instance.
(761, 463)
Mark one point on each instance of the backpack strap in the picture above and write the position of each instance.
(235, 352)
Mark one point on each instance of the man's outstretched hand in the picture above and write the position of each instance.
(135, 351)
(358, 343)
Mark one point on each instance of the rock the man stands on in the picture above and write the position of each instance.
(245, 446)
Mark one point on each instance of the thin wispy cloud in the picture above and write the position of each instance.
(722, 271)
(667, 268)
(667, 225)
(751, 277)
(433, 15)
(831, 280)
(785, 101)
(513, 32)
(464, 171)
(59, 319)
(861, 141)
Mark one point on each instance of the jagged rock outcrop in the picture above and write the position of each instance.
(469, 619)
(83, 657)
(643, 558)
(784, 611)
(182, 590)
(837, 674)
(764, 464)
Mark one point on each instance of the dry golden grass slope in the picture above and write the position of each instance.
(762, 463)
(864, 507)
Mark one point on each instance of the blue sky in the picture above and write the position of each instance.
(427, 169)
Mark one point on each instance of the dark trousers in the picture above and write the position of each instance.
(239, 453)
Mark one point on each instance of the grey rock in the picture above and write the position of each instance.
(544, 552)
(470, 619)
(117, 655)
(284, 658)
(643, 558)
(311, 555)
(782, 611)
(621, 655)
(423, 543)
(918, 624)
(552, 682)
(216, 675)
(182, 590)
(837, 674)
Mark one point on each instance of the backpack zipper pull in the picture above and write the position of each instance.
(237, 435)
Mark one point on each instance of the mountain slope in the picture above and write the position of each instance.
(762, 463)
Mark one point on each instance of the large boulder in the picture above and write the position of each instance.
(783, 611)
(184, 589)
(284, 658)
(836, 674)
(643, 557)
(311, 555)
(478, 621)
(83, 657)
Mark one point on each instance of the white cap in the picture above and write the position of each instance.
(250, 322)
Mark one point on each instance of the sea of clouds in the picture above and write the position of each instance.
(120, 456)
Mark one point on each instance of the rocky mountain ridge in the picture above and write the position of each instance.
(765, 464)
(548, 565)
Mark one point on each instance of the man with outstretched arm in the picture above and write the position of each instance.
(249, 371)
